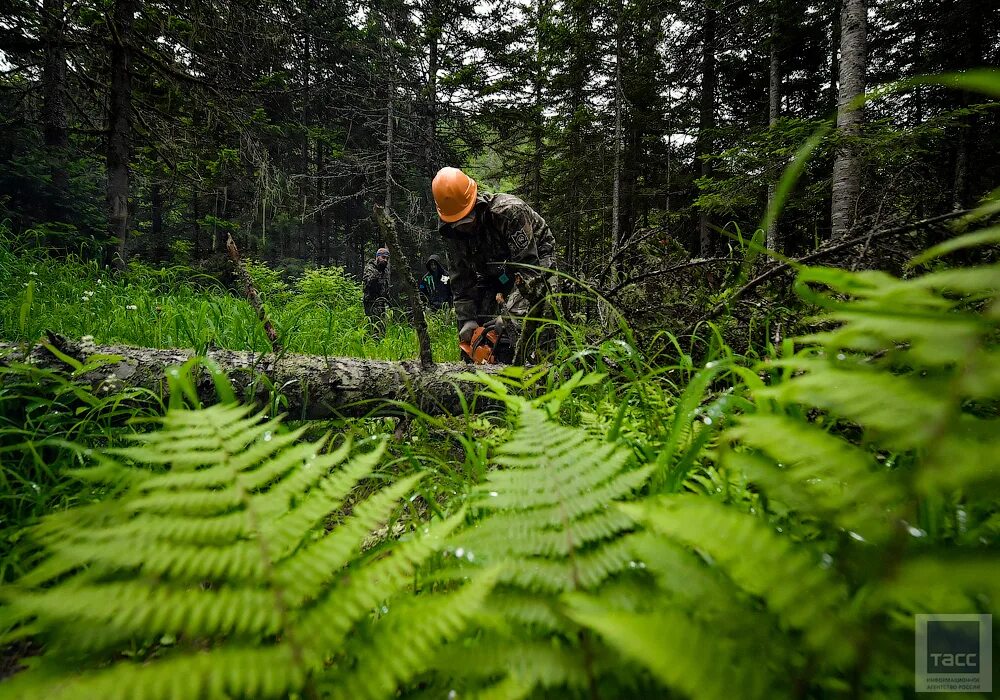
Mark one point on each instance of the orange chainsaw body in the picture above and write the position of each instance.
(480, 350)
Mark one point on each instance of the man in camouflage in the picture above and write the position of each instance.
(493, 237)
(375, 288)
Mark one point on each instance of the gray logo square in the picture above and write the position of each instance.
(954, 653)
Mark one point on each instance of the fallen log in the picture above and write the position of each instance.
(314, 387)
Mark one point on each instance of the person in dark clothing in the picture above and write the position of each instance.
(492, 237)
(375, 288)
(435, 287)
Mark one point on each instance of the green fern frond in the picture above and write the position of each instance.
(583, 571)
(553, 496)
(961, 584)
(897, 410)
(761, 562)
(513, 605)
(328, 622)
(410, 634)
(683, 578)
(219, 564)
(230, 672)
(819, 474)
(527, 534)
(697, 660)
(544, 664)
(544, 521)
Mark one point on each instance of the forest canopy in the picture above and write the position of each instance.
(155, 129)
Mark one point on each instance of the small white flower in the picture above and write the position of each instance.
(131, 307)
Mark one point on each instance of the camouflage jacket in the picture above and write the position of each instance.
(375, 285)
(509, 232)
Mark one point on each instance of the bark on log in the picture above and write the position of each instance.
(315, 387)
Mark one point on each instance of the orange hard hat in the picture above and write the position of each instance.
(454, 194)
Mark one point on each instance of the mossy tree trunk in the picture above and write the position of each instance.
(312, 386)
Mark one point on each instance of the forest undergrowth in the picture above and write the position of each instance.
(632, 521)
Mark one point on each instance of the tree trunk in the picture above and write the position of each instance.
(433, 35)
(156, 219)
(322, 234)
(307, 218)
(970, 55)
(390, 114)
(578, 78)
(54, 124)
(616, 185)
(773, 112)
(846, 166)
(119, 124)
(195, 223)
(539, 113)
(402, 277)
(838, 8)
(706, 121)
(315, 387)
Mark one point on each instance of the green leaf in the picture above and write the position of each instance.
(989, 236)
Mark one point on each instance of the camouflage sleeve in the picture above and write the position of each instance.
(462, 283)
(531, 243)
(369, 277)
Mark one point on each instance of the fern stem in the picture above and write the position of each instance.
(269, 579)
(585, 642)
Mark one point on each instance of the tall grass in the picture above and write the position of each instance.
(177, 307)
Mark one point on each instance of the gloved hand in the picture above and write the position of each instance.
(532, 286)
(466, 331)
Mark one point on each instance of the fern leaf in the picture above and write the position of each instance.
(681, 654)
(405, 640)
(822, 475)
(303, 574)
(227, 552)
(961, 584)
(328, 621)
(684, 579)
(529, 536)
(528, 664)
(762, 563)
(897, 410)
(146, 610)
(229, 672)
(582, 571)
(517, 606)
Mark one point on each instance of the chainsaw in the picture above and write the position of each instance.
(481, 349)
